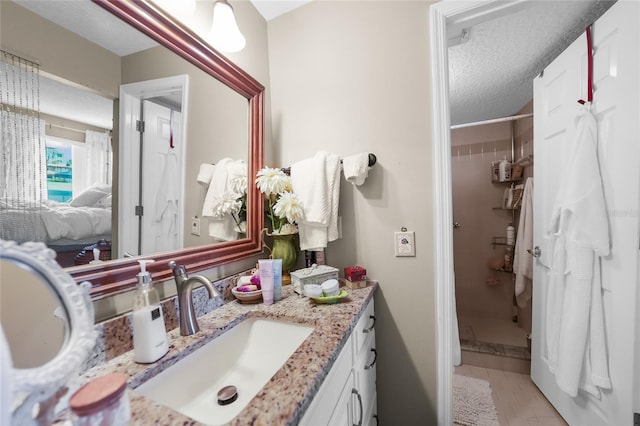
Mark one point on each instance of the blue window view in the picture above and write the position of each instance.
(59, 171)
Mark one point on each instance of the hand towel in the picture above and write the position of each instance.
(316, 181)
(579, 231)
(356, 168)
(205, 173)
(523, 261)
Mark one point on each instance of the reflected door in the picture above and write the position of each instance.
(161, 224)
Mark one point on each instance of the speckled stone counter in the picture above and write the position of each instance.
(285, 398)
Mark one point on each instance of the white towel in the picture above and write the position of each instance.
(316, 181)
(523, 261)
(579, 235)
(205, 173)
(220, 178)
(356, 168)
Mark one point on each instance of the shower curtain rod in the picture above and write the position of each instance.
(494, 120)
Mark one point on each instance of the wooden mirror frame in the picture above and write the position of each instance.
(120, 275)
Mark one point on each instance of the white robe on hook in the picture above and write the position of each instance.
(578, 238)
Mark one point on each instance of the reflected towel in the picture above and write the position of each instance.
(356, 168)
(222, 180)
(205, 173)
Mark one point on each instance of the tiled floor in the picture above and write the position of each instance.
(517, 400)
(493, 330)
(494, 343)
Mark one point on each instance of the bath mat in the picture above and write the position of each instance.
(472, 402)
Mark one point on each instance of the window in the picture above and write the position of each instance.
(59, 169)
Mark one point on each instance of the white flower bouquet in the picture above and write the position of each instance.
(284, 207)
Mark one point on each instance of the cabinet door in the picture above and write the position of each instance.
(365, 375)
(328, 396)
(343, 414)
(371, 418)
(363, 329)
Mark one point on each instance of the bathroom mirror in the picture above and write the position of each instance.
(198, 253)
(29, 271)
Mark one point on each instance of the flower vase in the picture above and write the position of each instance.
(284, 247)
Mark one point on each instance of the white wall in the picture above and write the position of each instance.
(350, 77)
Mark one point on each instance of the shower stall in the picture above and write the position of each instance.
(493, 330)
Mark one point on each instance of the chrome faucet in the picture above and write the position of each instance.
(184, 285)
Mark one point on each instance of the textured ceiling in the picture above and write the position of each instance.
(491, 74)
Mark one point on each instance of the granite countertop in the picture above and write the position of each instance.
(285, 398)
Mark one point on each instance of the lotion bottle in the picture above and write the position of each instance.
(511, 235)
(149, 332)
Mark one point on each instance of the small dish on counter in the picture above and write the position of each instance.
(331, 299)
(247, 296)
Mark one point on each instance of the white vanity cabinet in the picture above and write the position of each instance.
(348, 394)
(364, 368)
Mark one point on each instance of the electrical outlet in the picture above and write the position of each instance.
(405, 243)
(195, 226)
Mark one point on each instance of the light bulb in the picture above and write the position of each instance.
(225, 34)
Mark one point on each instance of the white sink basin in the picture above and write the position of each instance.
(246, 356)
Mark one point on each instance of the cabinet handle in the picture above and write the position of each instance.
(355, 391)
(375, 356)
(375, 416)
(370, 329)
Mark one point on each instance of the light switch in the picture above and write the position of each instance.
(405, 243)
(195, 226)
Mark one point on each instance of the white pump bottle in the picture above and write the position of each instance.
(149, 332)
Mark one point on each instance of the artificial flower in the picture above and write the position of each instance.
(226, 205)
(289, 206)
(284, 207)
(272, 181)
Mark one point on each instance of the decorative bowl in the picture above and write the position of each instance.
(331, 299)
(247, 296)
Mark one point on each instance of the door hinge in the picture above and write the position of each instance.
(139, 210)
(140, 126)
(636, 419)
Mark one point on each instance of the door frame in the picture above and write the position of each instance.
(131, 95)
(448, 16)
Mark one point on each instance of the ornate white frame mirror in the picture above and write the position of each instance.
(38, 389)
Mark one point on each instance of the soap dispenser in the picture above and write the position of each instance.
(149, 332)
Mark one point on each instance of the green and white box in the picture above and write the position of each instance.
(313, 275)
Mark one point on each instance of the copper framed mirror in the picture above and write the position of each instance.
(119, 275)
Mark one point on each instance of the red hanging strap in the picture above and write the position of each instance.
(171, 129)
(589, 68)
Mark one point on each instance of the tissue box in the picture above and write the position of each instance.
(313, 275)
(355, 273)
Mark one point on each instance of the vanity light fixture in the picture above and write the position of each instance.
(225, 34)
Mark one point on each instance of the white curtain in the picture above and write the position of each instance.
(23, 164)
(91, 161)
(23, 171)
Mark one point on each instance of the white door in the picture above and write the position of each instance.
(131, 96)
(616, 107)
(161, 126)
